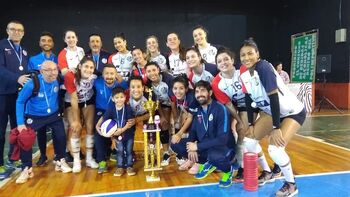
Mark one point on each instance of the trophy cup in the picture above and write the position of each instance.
(151, 145)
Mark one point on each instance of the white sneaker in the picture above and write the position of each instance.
(76, 166)
(180, 161)
(65, 168)
(25, 175)
(91, 163)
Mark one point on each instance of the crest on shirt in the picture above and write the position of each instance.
(163, 90)
(210, 117)
(104, 60)
(29, 121)
(24, 52)
(199, 118)
(56, 89)
(99, 113)
(211, 52)
(129, 58)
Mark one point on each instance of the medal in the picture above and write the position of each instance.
(20, 68)
(177, 125)
(49, 110)
(120, 137)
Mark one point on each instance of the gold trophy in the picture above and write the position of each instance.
(151, 147)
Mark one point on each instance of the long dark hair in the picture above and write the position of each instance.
(78, 73)
(198, 53)
(182, 49)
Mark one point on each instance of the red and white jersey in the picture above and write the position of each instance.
(84, 89)
(177, 66)
(123, 63)
(209, 53)
(70, 59)
(264, 80)
(160, 59)
(227, 90)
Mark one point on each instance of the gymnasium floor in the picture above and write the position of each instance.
(326, 184)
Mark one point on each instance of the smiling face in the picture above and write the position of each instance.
(119, 44)
(109, 75)
(153, 73)
(87, 69)
(224, 62)
(138, 56)
(173, 42)
(46, 43)
(179, 90)
(202, 95)
(136, 89)
(152, 45)
(199, 36)
(119, 99)
(71, 39)
(49, 71)
(95, 44)
(249, 56)
(193, 59)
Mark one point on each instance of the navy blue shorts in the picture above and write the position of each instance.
(300, 117)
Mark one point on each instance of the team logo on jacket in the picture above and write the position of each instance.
(104, 60)
(40, 94)
(210, 117)
(56, 89)
(199, 118)
(24, 52)
(29, 121)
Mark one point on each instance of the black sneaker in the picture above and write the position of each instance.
(265, 177)
(239, 176)
(276, 171)
(287, 190)
(42, 161)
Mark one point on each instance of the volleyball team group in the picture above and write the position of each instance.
(210, 112)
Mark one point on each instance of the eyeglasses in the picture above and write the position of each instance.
(16, 30)
(50, 70)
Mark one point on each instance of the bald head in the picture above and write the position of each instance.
(49, 71)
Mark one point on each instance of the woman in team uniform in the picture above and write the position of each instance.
(122, 60)
(69, 57)
(198, 68)
(153, 53)
(283, 114)
(80, 104)
(161, 83)
(176, 58)
(140, 62)
(207, 50)
(181, 102)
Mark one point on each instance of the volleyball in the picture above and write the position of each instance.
(108, 127)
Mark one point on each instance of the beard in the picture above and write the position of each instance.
(202, 100)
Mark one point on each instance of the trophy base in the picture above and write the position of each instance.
(152, 169)
(152, 178)
(151, 126)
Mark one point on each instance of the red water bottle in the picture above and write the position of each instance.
(250, 173)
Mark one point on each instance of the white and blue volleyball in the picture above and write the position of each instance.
(108, 127)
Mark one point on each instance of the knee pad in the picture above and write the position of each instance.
(252, 145)
(278, 155)
(75, 145)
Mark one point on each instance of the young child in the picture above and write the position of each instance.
(137, 99)
(124, 135)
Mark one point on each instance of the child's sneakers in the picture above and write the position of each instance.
(102, 167)
(130, 171)
(26, 174)
(91, 163)
(119, 172)
(76, 166)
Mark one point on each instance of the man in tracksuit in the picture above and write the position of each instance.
(40, 112)
(13, 66)
(210, 138)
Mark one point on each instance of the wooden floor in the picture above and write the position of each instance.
(307, 155)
